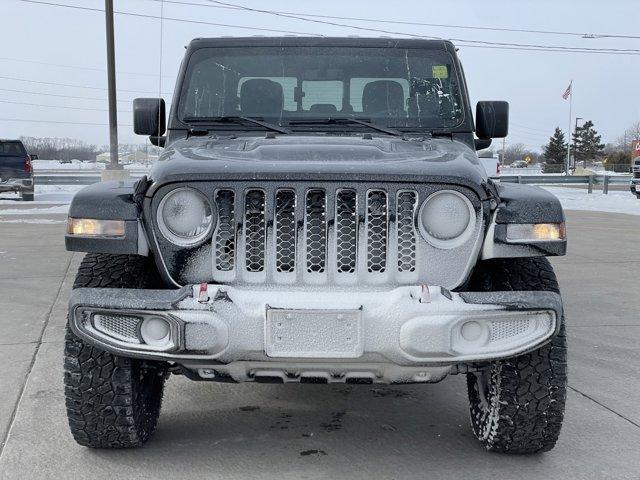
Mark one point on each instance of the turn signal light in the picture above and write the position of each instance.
(89, 227)
(535, 232)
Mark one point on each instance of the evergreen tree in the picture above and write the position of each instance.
(555, 153)
(586, 143)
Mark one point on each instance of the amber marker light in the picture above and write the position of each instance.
(89, 227)
(535, 232)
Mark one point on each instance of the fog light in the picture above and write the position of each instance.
(156, 332)
(471, 331)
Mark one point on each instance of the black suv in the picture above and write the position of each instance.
(16, 171)
(318, 215)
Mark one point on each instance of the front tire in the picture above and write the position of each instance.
(112, 401)
(517, 404)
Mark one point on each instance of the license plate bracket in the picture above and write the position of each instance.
(314, 333)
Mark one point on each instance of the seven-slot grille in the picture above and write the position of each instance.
(301, 233)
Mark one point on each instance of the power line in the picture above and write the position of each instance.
(57, 122)
(156, 17)
(462, 42)
(58, 95)
(483, 42)
(41, 82)
(421, 24)
(76, 67)
(60, 106)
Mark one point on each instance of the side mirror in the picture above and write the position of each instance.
(149, 116)
(492, 119)
(482, 143)
(34, 156)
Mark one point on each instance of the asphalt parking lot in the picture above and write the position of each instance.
(252, 431)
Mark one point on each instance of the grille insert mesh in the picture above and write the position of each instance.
(255, 230)
(316, 225)
(346, 231)
(226, 234)
(121, 327)
(285, 224)
(505, 330)
(377, 226)
(406, 204)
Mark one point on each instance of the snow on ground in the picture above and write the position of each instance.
(44, 195)
(35, 211)
(78, 165)
(579, 199)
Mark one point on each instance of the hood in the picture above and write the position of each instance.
(320, 158)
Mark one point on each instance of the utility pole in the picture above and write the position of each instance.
(114, 170)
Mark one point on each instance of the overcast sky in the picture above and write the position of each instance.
(33, 37)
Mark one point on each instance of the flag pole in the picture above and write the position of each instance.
(569, 136)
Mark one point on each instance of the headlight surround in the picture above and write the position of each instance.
(185, 216)
(447, 219)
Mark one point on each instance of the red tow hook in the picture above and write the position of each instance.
(425, 295)
(203, 295)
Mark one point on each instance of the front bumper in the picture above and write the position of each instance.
(16, 184)
(386, 334)
(635, 186)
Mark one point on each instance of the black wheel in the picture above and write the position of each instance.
(112, 401)
(27, 197)
(517, 405)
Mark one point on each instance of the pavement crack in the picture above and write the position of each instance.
(635, 424)
(38, 343)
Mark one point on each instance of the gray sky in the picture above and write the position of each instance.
(606, 87)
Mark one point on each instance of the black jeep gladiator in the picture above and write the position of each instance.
(16, 171)
(318, 215)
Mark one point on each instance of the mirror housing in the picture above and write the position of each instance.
(482, 143)
(492, 119)
(149, 116)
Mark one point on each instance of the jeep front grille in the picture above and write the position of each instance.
(309, 233)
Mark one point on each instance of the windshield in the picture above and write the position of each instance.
(400, 88)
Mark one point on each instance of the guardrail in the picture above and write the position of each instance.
(589, 180)
(88, 177)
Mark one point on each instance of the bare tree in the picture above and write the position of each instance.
(623, 142)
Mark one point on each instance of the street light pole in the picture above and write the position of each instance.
(570, 139)
(111, 80)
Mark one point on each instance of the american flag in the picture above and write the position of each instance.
(567, 92)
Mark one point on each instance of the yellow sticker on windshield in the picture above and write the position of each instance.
(439, 71)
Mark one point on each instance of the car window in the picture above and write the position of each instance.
(12, 149)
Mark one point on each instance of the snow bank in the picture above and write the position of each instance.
(44, 195)
(579, 199)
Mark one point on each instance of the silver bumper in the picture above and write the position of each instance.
(246, 333)
(16, 184)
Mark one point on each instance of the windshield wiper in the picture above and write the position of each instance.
(238, 119)
(337, 120)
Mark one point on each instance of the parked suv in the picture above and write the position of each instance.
(318, 215)
(16, 171)
(635, 181)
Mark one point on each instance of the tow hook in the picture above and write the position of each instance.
(203, 295)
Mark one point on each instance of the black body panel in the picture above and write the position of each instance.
(527, 204)
(105, 201)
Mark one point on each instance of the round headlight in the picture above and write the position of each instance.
(447, 219)
(185, 216)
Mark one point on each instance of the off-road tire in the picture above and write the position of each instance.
(517, 405)
(112, 401)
